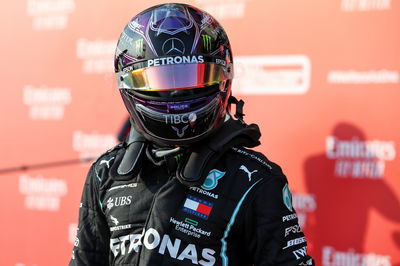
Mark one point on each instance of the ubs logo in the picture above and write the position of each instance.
(119, 201)
(173, 46)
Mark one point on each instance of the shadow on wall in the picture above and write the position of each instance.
(347, 180)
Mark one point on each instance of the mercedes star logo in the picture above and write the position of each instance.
(173, 46)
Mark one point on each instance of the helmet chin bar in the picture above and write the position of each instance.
(179, 143)
(171, 144)
(171, 123)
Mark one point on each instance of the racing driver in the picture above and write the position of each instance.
(184, 188)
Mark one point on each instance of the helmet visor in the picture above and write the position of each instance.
(172, 77)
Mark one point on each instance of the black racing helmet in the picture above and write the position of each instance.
(174, 69)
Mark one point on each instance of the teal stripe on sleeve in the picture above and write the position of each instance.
(230, 223)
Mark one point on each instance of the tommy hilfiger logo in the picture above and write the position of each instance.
(197, 207)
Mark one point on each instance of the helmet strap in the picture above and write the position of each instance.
(239, 107)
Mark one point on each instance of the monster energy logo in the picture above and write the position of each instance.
(139, 45)
(206, 41)
(178, 157)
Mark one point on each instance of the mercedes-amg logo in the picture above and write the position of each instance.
(173, 46)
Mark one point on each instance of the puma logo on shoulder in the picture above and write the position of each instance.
(244, 168)
(107, 162)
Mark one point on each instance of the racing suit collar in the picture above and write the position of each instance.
(168, 157)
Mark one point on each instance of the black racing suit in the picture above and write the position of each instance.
(241, 215)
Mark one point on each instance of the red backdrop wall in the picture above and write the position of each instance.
(321, 78)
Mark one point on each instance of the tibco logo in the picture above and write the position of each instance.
(92, 144)
(46, 103)
(279, 74)
(151, 240)
(50, 14)
(178, 119)
(42, 194)
(96, 55)
(332, 257)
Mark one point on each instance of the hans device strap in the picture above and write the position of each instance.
(193, 169)
(128, 163)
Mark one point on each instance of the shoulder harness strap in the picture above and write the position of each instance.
(193, 169)
(128, 163)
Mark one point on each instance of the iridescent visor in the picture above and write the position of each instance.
(172, 77)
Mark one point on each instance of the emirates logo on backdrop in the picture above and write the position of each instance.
(90, 145)
(50, 14)
(358, 158)
(42, 194)
(97, 55)
(46, 103)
